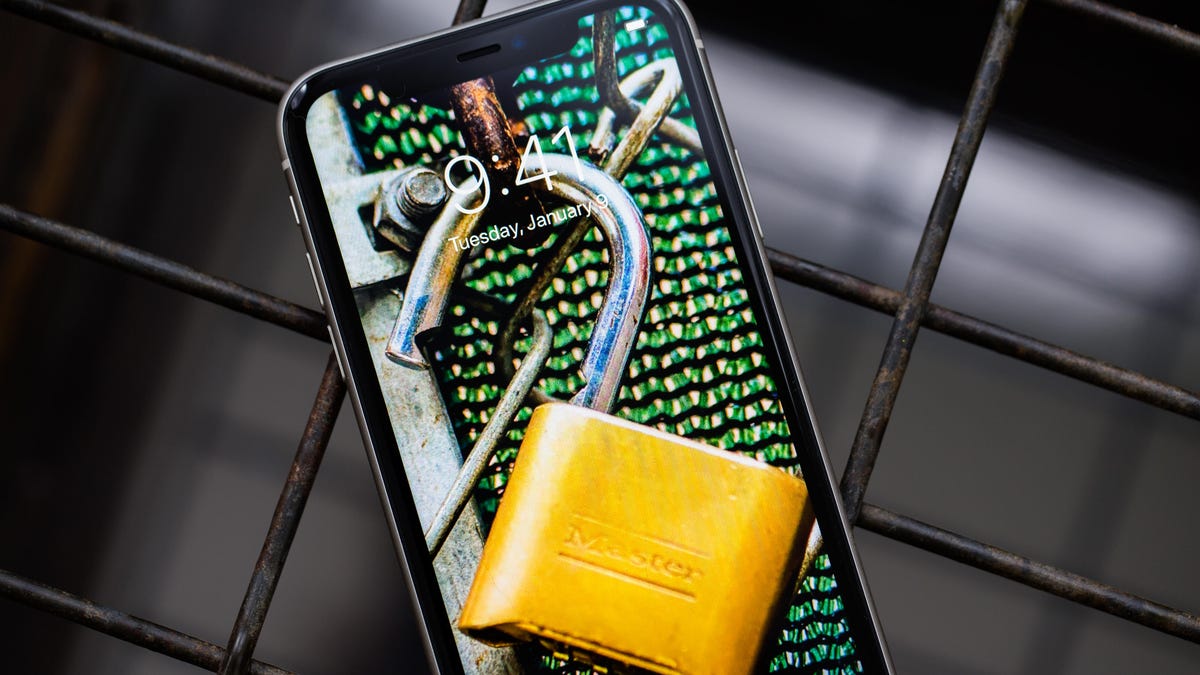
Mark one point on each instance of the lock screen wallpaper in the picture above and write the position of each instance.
(552, 233)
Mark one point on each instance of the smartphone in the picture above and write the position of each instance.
(544, 211)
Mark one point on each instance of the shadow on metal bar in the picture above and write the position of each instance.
(898, 350)
(1041, 576)
(127, 627)
(226, 293)
(289, 509)
(911, 308)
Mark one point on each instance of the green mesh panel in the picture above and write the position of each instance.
(698, 368)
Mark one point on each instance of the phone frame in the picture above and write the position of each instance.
(349, 342)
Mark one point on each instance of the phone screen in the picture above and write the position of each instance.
(485, 224)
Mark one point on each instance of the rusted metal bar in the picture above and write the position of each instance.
(898, 350)
(285, 522)
(127, 627)
(604, 46)
(166, 272)
(620, 106)
(468, 10)
(485, 128)
(1032, 573)
(839, 284)
(119, 36)
(990, 336)
(1152, 28)
(489, 137)
(912, 306)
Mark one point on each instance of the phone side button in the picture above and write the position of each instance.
(313, 271)
(295, 212)
(337, 353)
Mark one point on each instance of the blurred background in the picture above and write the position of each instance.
(146, 434)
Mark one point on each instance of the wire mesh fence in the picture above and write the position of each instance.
(910, 307)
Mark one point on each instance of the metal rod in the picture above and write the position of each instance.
(127, 627)
(285, 522)
(468, 10)
(119, 36)
(990, 336)
(481, 453)
(434, 270)
(898, 350)
(1152, 28)
(166, 272)
(617, 97)
(797, 270)
(1032, 573)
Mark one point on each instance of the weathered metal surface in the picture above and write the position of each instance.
(898, 350)
(345, 191)
(432, 460)
(404, 208)
(438, 264)
(468, 10)
(485, 128)
(649, 118)
(618, 96)
(285, 521)
(426, 442)
(489, 137)
(485, 446)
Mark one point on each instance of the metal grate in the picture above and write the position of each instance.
(910, 307)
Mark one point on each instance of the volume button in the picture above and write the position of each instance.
(291, 183)
(337, 353)
(316, 284)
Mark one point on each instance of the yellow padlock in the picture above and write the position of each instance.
(620, 541)
(616, 542)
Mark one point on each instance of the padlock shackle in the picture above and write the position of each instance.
(575, 182)
(433, 272)
(616, 327)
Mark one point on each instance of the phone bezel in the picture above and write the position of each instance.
(411, 65)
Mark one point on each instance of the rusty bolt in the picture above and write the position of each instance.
(421, 192)
(405, 206)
